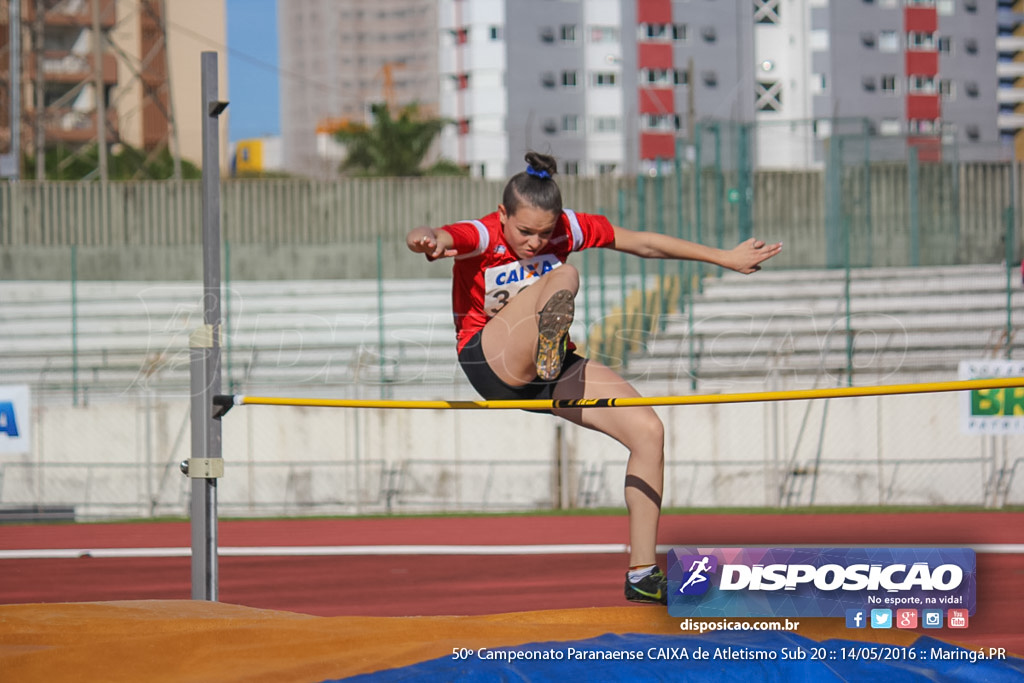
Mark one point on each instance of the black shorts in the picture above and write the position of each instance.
(490, 386)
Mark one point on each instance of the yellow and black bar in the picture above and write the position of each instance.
(224, 402)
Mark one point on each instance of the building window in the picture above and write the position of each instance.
(571, 168)
(568, 33)
(659, 122)
(768, 96)
(606, 124)
(920, 41)
(606, 169)
(681, 77)
(946, 89)
(568, 79)
(679, 32)
(818, 84)
(945, 8)
(495, 33)
(889, 83)
(945, 45)
(461, 36)
(547, 35)
(888, 41)
(463, 126)
(548, 80)
(890, 127)
(971, 46)
(571, 123)
(653, 31)
(604, 79)
(461, 81)
(767, 11)
(921, 84)
(922, 126)
(604, 34)
(656, 76)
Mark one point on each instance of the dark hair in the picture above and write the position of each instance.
(535, 186)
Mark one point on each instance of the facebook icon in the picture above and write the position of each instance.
(856, 618)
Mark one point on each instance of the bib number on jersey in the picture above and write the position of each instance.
(502, 283)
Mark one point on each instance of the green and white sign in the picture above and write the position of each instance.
(992, 411)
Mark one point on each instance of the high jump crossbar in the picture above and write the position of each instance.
(224, 402)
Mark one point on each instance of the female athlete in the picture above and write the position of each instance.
(513, 297)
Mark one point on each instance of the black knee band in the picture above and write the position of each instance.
(644, 488)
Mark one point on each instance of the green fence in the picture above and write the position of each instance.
(857, 200)
(893, 205)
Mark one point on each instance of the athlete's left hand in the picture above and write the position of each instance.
(747, 257)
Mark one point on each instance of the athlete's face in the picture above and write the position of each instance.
(528, 230)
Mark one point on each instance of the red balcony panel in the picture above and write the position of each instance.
(922, 63)
(657, 145)
(657, 101)
(927, 107)
(655, 55)
(929, 149)
(654, 11)
(920, 19)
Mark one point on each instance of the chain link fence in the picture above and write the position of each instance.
(901, 263)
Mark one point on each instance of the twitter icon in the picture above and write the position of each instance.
(881, 618)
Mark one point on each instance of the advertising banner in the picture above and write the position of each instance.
(15, 419)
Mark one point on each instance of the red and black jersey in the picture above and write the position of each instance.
(487, 274)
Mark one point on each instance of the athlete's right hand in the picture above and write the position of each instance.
(424, 241)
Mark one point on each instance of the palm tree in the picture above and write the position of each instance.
(391, 146)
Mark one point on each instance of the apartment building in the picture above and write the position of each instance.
(1010, 74)
(620, 86)
(338, 57)
(131, 63)
(613, 85)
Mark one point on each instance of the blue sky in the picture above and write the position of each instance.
(252, 69)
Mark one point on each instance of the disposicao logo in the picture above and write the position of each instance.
(817, 582)
(696, 580)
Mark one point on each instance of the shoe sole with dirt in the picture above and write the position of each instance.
(552, 330)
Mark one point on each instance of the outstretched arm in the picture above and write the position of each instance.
(745, 257)
(433, 243)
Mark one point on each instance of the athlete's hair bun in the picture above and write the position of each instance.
(541, 163)
(534, 186)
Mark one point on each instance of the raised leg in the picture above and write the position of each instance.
(638, 429)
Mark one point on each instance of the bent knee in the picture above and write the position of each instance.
(647, 432)
(569, 276)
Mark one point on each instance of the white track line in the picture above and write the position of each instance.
(365, 550)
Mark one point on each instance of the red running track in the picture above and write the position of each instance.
(423, 585)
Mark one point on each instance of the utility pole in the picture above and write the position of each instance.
(691, 102)
(40, 85)
(101, 91)
(10, 164)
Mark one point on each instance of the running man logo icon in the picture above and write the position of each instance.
(697, 567)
